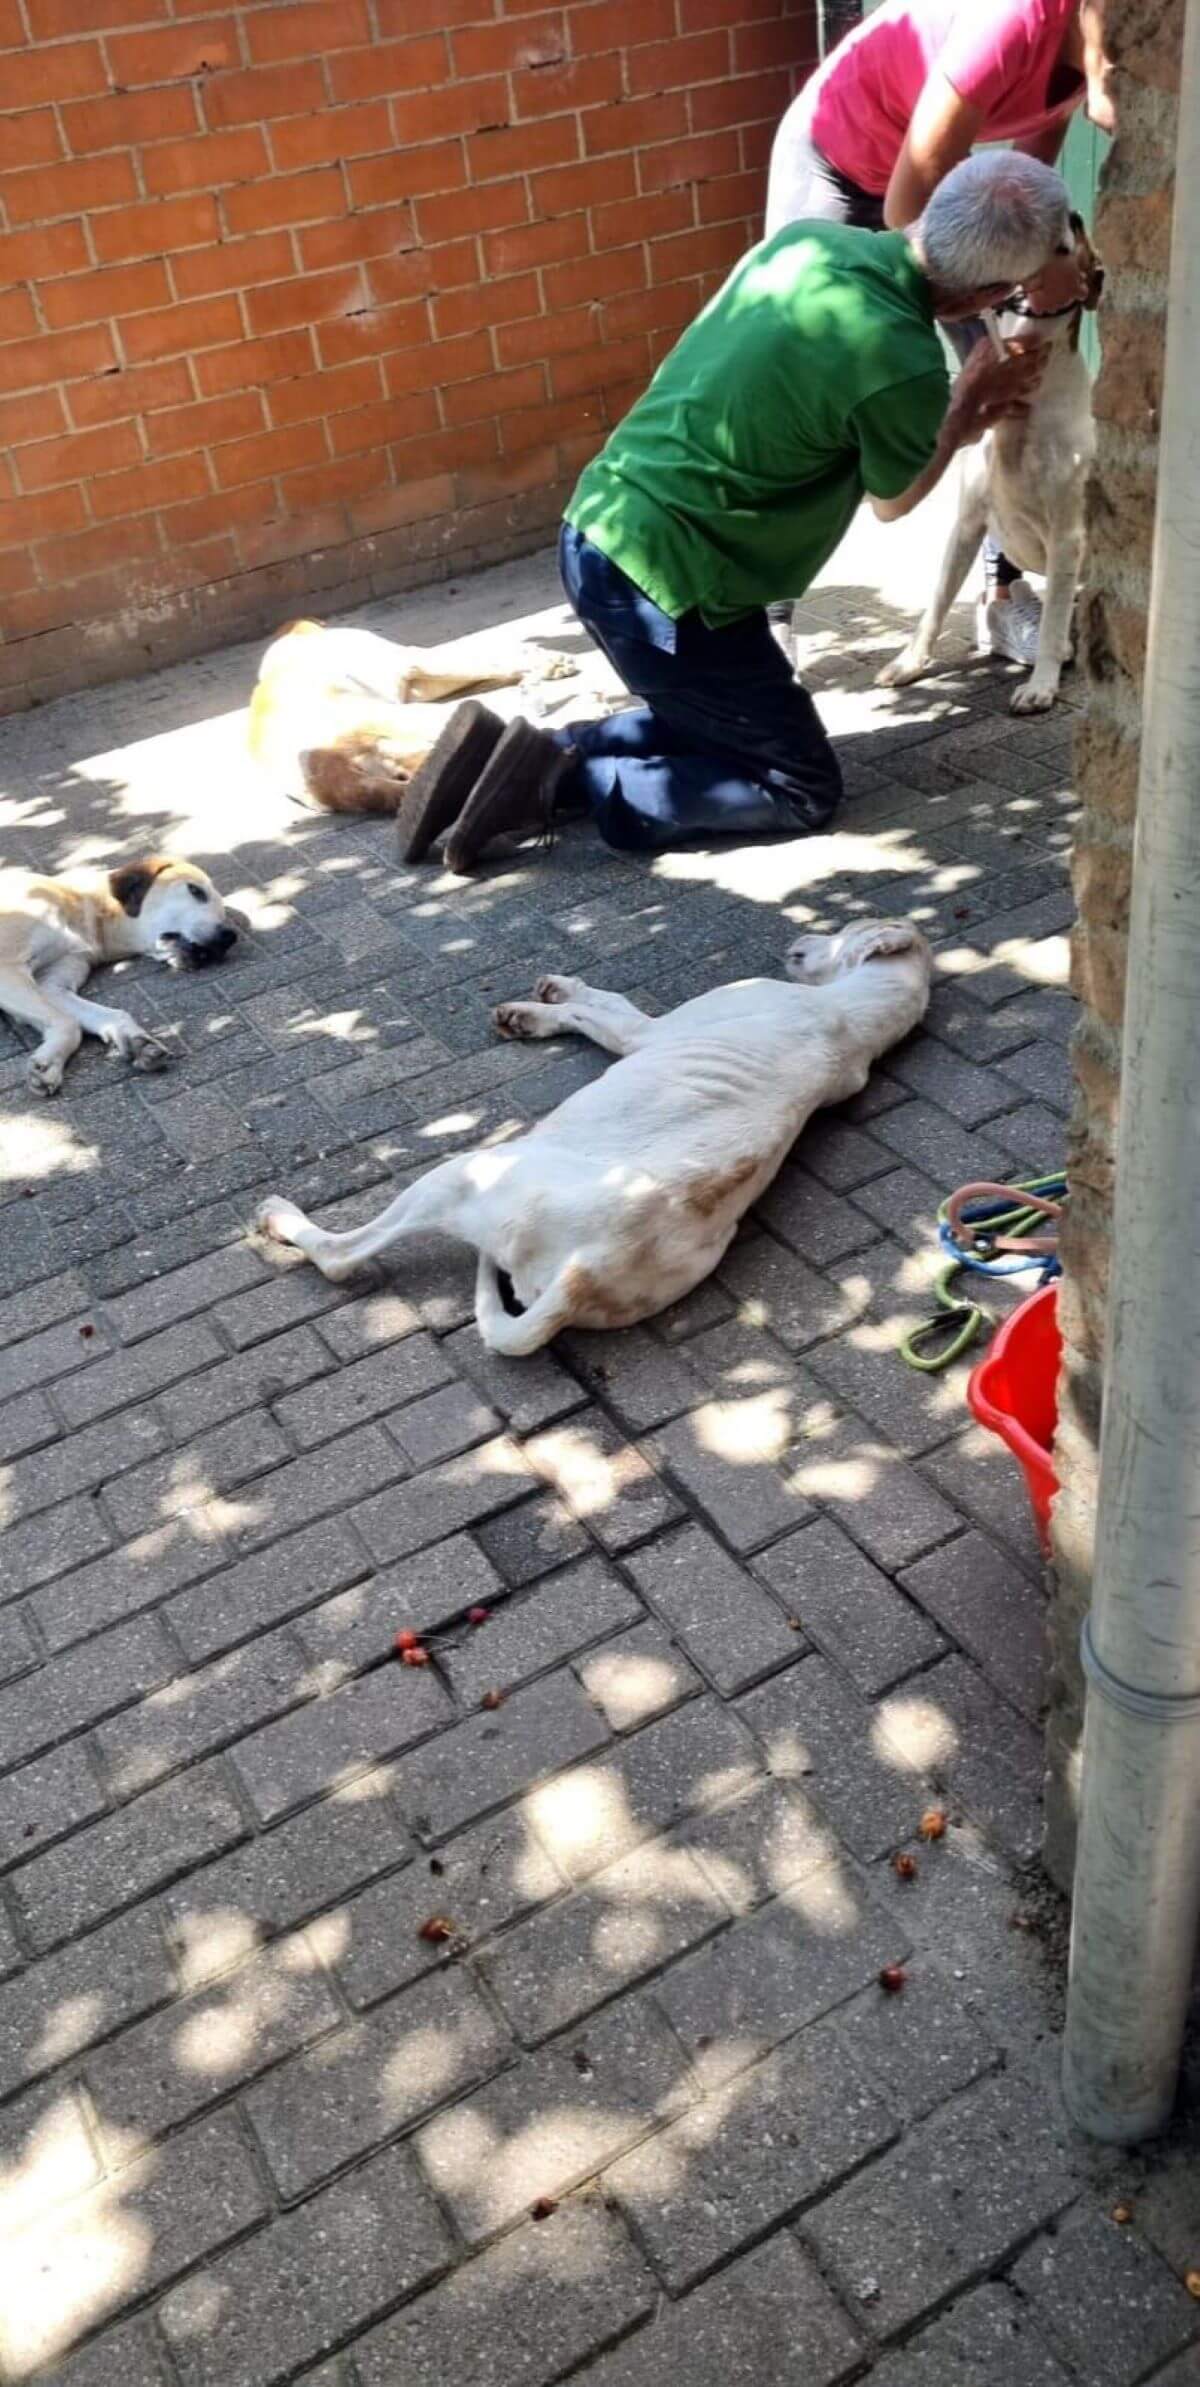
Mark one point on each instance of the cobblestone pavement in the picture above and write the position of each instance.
(757, 1598)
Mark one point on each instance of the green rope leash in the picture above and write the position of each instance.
(937, 1341)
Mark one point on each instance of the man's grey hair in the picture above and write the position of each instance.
(997, 218)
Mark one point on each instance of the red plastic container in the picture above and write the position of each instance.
(1014, 1392)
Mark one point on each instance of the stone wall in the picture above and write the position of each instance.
(1133, 230)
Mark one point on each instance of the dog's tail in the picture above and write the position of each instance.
(517, 1337)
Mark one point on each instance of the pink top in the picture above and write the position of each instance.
(999, 54)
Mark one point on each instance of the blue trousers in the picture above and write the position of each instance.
(726, 743)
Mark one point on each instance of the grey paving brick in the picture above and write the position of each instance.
(912, 1412)
(39, 1306)
(126, 1855)
(25, 1422)
(735, 2166)
(254, 1379)
(46, 1546)
(220, 1462)
(637, 1375)
(759, 1845)
(422, 1593)
(196, 1713)
(770, 2307)
(123, 2357)
(80, 1462)
(442, 1424)
(905, 1204)
(41, 1801)
(532, 1539)
(527, 1393)
(77, 1690)
(528, 1635)
(677, 1767)
(848, 1607)
(953, 1723)
(553, 2120)
(285, 1300)
(55, 2008)
(138, 1374)
(820, 1225)
(193, 2052)
(46, 2153)
(951, 2201)
(837, 1153)
(47, 1358)
(219, 1915)
(177, 2205)
(324, 1481)
(184, 1291)
(883, 1503)
(621, 1926)
(492, 1874)
(917, 2049)
(814, 1729)
(979, 1475)
(335, 2101)
(636, 1676)
(277, 1582)
(707, 1305)
(972, 1095)
(17, 1649)
(993, 1610)
(310, 2280)
(787, 1965)
(724, 1454)
(603, 1480)
(490, 1758)
(364, 1389)
(1032, 1136)
(776, 1290)
(200, 1124)
(523, 2314)
(1043, 1070)
(327, 1742)
(734, 1631)
(987, 2340)
(367, 1324)
(127, 1580)
(443, 1499)
(1104, 2300)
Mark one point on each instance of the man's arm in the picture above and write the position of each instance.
(942, 133)
(987, 390)
(1044, 145)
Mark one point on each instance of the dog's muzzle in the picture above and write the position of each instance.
(191, 953)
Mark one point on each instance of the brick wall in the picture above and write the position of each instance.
(1133, 228)
(306, 300)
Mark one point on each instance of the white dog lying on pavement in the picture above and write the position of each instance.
(630, 1193)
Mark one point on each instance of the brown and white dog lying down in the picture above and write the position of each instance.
(344, 717)
(55, 932)
(630, 1193)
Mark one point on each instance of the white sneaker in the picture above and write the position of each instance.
(1010, 627)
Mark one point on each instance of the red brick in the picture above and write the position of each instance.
(418, 501)
(254, 364)
(584, 83)
(547, 335)
(31, 138)
(233, 265)
(206, 517)
(285, 199)
(59, 356)
(351, 476)
(306, 31)
(373, 235)
(595, 278)
(110, 543)
(666, 164)
(711, 251)
(660, 118)
(39, 416)
(405, 174)
(411, 274)
(780, 41)
(263, 93)
(623, 24)
(297, 535)
(454, 108)
(27, 518)
(652, 311)
(641, 219)
(373, 334)
(522, 148)
(452, 265)
(703, 13)
(678, 65)
(52, 20)
(497, 393)
(599, 368)
(205, 163)
(732, 197)
(50, 462)
(755, 143)
(181, 429)
(17, 318)
(69, 70)
(428, 16)
(491, 302)
(120, 392)
(122, 119)
(309, 298)
(396, 67)
(17, 570)
(181, 330)
(529, 245)
(743, 100)
(74, 186)
(45, 250)
(477, 483)
(517, 42)
(269, 453)
(94, 297)
(166, 482)
(592, 183)
(12, 25)
(172, 54)
(324, 395)
(539, 425)
(446, 451)
(157, 229)
(409, 369)
(380, 425)
(335, 133)
(457, 213)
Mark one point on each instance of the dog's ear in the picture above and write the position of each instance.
(304, 629)
(1093, 271)
(882, 940)
(130, 884)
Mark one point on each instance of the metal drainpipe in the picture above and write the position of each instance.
(1137, 1877)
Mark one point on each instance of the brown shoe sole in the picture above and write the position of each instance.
(438, 790)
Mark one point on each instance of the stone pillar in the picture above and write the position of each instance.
(1133, 229)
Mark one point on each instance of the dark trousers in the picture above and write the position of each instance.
(726, 742)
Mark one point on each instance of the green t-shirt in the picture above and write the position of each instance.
(813, 376)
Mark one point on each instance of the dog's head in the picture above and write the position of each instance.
(179, 913)
(814, 960)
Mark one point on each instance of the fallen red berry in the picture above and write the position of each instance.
(904, 1866)
(437, 1929)
(892, 1979)
(478, 1615)
(87, 1332)
(407, 1640)
(414, 1657)
(492, 1699)
(542, 2210)
(932, 1825)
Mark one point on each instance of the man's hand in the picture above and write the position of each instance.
(990, 388)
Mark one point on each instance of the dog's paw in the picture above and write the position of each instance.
(518, 1021)
(903, 669)
(1032, 697)
(278, 1220)
(44, 1077)
(146, 1053)
(557, 990)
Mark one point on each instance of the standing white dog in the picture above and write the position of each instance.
(1025, 484)
(631, 1191)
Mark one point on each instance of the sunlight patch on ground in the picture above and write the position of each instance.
(36, 1146)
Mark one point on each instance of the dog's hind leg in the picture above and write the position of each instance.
(1065, 562)
(23, 999)
(963, 547)
(452, 1200)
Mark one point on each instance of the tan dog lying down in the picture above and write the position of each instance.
(54, 933)
(629, 1193)
(345, 717)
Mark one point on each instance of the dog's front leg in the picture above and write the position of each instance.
(117, 1029)
(1037, 693)
(961, 550)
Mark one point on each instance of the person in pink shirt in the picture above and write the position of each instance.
(903, 98)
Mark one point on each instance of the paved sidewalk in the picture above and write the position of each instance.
(757, 1599)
